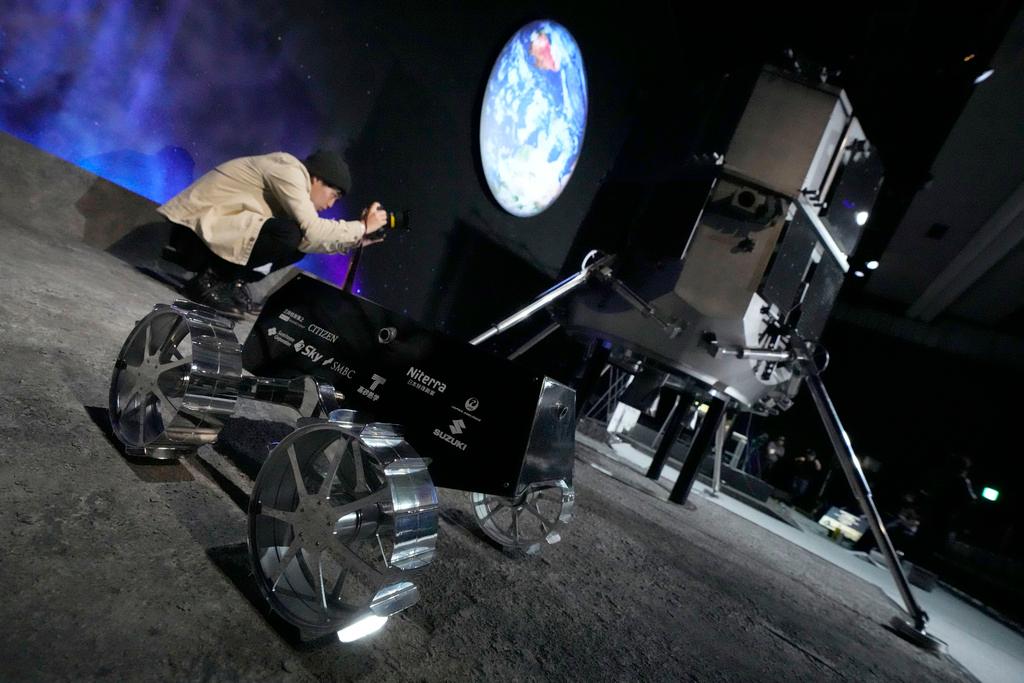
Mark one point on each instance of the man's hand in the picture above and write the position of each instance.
(374, 218)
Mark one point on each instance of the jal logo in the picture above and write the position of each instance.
(472, 404)
(457, 427)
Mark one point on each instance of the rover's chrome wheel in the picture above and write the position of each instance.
(339, 515)
(527, 521)
(174, 380)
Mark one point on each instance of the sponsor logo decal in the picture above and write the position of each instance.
(448, 438)
(371, 393)
(322, 333)
(290, 316)
(457, 427)
(281, 337)
(424, 382)
(307, 350)
(339, 367)
(470, 405)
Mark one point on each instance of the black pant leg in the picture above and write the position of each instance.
(192, 253)
(278, 244)
(187, 249)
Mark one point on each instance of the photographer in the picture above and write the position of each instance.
(260, 212)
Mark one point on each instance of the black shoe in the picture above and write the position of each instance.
(240, 293)
(207, 289)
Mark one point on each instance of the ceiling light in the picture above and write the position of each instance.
(871, 265)
(858, 273)
(861, 217)
(969, 57)
(371, 623)
(984, 76)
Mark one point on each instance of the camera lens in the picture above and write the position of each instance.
(746, 199)
(398, 220)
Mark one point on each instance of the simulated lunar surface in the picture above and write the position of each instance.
(125, 569)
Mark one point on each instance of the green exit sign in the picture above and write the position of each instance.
(990, 494)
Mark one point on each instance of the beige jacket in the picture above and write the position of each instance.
(227, 207)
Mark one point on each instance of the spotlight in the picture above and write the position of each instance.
(984, 76)
(370, 623)
(871, 265)
(862, 217)
(858, 273)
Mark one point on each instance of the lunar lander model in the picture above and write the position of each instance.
(733, 299)
(344, 510)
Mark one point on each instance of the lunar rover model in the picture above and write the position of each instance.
(344, 509)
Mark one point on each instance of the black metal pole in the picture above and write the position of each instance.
(673, 426)
(698, 449)
(353, 266)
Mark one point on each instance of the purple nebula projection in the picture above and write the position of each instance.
(150, 95)
(331, 267)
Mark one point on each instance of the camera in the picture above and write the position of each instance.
(397, 220)
(393, 222)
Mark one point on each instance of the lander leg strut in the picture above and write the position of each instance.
(914, 632)
(720, 436)
(709, 426)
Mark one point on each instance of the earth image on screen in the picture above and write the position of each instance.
(533, 118)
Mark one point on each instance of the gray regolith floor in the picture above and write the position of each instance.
(125, 571)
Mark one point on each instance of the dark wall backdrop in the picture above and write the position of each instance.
(150, 94)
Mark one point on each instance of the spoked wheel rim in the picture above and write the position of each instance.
(176, 374)
(528, 521)
(333, 527)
